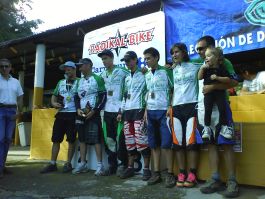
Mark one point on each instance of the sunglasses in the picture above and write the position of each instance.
(201, 48)
(4, 66)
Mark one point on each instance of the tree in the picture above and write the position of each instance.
(13, 23)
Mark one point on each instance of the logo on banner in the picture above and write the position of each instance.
(255, 13)
(120, 41)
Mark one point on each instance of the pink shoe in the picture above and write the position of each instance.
(191, 180)
(181, 180)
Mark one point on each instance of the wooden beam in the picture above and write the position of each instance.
(13, 50)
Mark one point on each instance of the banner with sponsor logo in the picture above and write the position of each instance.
(135, 34)
(237, 25)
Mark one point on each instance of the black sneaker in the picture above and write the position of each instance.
(127, 173)
(232, 190)
(7, 171)
(67, 167)
(155, 178)
(146, 174)
(120, 170)
(110, 171)
(49, 168)
(212, 186)
(170, 180)
(1, 173)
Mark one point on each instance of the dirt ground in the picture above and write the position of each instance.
(26, 182)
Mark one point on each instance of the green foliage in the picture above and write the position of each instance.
(13, 23)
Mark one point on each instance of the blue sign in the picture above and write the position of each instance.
(237, 25)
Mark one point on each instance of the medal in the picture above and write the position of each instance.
(68, 98)
(110, 93)
(152, 94)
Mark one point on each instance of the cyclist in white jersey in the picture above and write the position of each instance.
(114, 82)
(133, 112)
(90, 99)
(184, 114)
(159, 89)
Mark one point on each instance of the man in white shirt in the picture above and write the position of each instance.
(11, 97)
(254, 82)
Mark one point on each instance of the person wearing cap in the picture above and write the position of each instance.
(133, 109)
(159, 88)
(11, 99)
(90, 99)
(63, 100)
(114, 82)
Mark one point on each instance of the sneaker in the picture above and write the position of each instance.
(146, 174)
(49, 168)
(7, 171)
(100, 170)
(110, 171)
(81, 168)
(129, 172)
(191, 180)
(1, 173)
(170, 180)
(226, 132)
(212, 186)
(181, 180)
(206, 133)
(67, 167)
(232, 189)
(155, 178)
(120, 170)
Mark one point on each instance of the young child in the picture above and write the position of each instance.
(213, 72)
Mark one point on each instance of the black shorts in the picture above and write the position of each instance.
(64, 124)
(184, 113)
(90, 132)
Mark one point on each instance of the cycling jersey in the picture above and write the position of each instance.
(88, 90)
(159, 84)
(66, 90)
(114, 83)
(134, 91)
(185, 79)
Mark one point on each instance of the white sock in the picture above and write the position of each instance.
(83, 163)
(53, 162)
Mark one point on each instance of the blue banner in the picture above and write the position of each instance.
(236, 25)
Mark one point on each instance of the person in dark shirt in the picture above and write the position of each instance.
(213, 71)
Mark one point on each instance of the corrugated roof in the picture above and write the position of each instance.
(66, 42)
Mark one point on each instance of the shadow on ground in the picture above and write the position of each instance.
(26, 182)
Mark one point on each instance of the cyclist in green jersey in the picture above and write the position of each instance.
(114, 78)
(214, 184)
(63, 100)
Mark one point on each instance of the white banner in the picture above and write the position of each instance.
(135, 34)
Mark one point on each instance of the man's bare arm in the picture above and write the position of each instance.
(54, 102)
